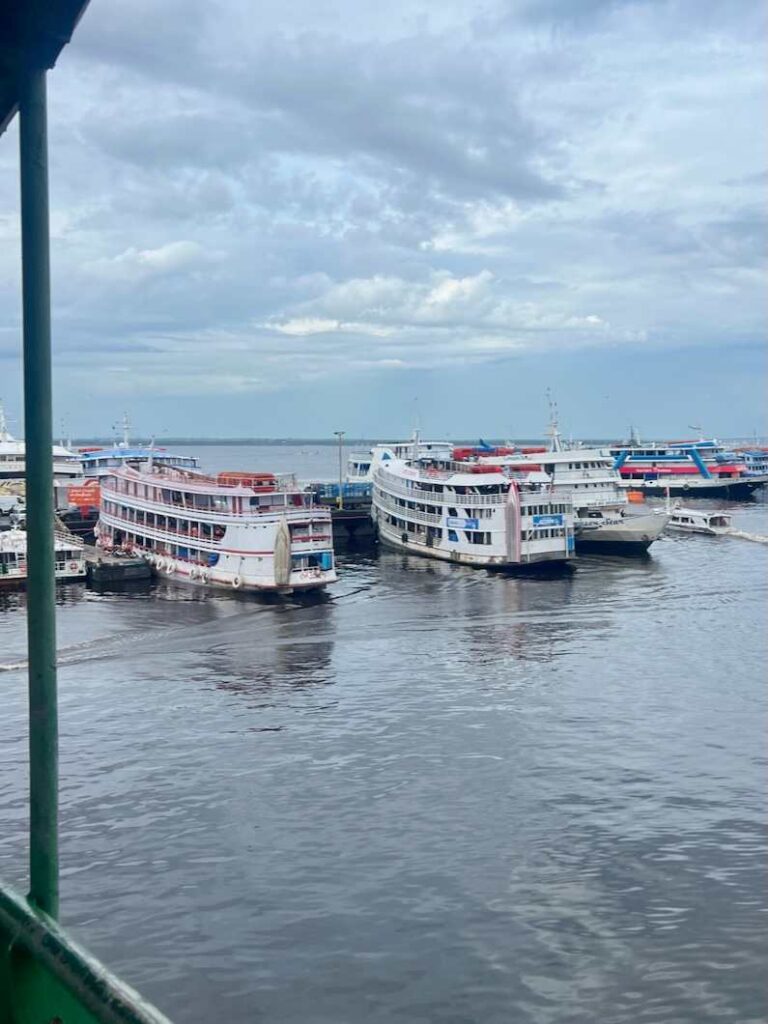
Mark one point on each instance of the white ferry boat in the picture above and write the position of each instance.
(695, 469)
(463, 512)
(98, 462)
(70, 557)
(66, 467)
(587, 477)
(242, 531)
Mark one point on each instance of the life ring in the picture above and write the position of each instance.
(204, 575)
(194, 572)
(159, 564)
(237, 582)
(73, 566)
(170, 567)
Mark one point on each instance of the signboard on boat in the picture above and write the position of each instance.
(85, 496)
(539, 522)
(463, 524)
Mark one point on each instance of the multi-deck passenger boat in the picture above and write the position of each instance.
(755, 461)
(585, 476)
(97, 462)
(602, 522)
(244, 531)
(66, 467)
(704, 469)
(428, 503)
(70, 557)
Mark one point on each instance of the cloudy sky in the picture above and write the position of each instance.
(275, 218)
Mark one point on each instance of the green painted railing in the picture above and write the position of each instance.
(45, 977)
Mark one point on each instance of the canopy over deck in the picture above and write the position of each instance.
(32, 35)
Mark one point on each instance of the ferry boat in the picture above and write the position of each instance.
(691, 520)
(756, 462)
(428, 503)
(602, 522)
(703, 468)
(99, 462)
(70, 557)
(242, 531)
(66, 467)
(585, 476)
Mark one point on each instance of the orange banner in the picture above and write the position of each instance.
(89, 495)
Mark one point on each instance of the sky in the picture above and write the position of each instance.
(285, 219)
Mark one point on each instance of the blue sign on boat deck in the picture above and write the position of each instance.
(463, 524)
(555, 520)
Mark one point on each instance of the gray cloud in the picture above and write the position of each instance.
(242, 198)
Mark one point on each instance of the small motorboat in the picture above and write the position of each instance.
(694, 520)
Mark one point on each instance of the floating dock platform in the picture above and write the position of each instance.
(350, 507)
(107, 568)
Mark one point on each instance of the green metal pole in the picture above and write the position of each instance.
(38, 433)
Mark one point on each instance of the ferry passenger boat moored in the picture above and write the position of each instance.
(97, 462)
(69, 553)
(243, 531)
(587, 477)
(433, 505)
(601, 520)
(66, 467)
(703, 469)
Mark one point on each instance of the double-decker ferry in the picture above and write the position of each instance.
(242, 531)
(432, 505)
(704, 468)
(585, 476)
(13, 465)
(98, 461)
(69, 557)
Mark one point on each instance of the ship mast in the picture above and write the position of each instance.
(553, 433)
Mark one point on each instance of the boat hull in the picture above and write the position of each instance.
(736, 490)
(15, 580)
(182, 573)
(632, 536)
(495, 562)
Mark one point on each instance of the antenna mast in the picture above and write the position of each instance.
(553, 433)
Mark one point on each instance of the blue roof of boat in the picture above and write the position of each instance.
(128, 453)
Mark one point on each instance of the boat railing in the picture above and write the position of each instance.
(583, 499)
(411, 514)
(389, 482)
(205, 514)
(176, 533)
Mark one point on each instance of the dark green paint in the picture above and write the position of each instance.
(38, 434)
(45, 975)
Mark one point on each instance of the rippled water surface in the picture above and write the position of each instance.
(437, 795)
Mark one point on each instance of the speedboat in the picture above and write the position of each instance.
(694, 520)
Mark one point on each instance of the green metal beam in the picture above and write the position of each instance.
(38, 434)
(45, 976)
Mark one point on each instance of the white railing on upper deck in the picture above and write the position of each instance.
(209, 515)
(388, 482)
(411, 514)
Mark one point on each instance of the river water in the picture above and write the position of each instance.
(436, 795)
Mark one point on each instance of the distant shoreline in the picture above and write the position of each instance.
(276, 442)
